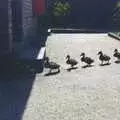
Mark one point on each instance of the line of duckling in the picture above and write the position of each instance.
(105, 59)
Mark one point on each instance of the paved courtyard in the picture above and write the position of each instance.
(81, 94)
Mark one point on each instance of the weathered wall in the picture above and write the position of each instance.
(28, 20)
(16, 20)
(4, 26)
(23, 23)
(17, 23)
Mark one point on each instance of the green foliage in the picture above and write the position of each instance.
(116, 14)
(118, 4)
(61, 9)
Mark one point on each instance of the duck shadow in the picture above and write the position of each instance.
(52, 73)
(72, 68)
(106, 64)
(87, 66)
(117, 61)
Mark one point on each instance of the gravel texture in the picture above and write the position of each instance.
(81, 94)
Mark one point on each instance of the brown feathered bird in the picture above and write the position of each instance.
(103, 57)
(71, 61)
(51, 65)
(116, 54)
(85, 59)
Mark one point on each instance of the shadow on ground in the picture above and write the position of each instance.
(117, 62)
(51, 73)
(16, 80)
(87, 66)
(72, 68)
(106, 64)
(14, 94)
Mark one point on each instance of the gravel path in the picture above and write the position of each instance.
(82, 94)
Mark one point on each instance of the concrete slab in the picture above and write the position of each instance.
(82, 94)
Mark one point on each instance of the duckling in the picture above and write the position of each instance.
(51, 65)
(116, 54)
(71, 61)
(103, 57)
(87, 60)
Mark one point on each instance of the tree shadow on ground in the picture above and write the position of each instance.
(15, 88)
(16, 80)
(14, 95)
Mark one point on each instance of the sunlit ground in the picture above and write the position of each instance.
(81, 94)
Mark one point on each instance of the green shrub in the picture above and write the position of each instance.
(61, 9)
(116, 15)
